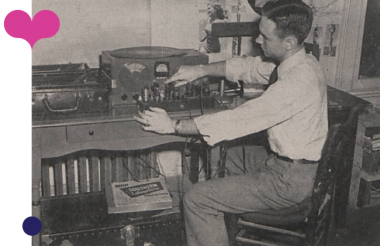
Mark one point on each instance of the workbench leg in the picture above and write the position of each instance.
(342, 187)
(214, 162)
(36, 180)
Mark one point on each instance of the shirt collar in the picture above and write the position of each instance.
(292, 61)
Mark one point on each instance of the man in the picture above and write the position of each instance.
(293, 111)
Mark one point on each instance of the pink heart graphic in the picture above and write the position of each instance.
(18, 24)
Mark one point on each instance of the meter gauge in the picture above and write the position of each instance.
(161, 69)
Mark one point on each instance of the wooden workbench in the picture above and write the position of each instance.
(54, 138)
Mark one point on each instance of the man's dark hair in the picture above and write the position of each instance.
(292, 17)
(219, 12)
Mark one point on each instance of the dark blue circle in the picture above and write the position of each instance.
(32, 226)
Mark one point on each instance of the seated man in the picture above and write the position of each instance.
(293, 110)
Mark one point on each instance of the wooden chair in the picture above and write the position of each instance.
(305, 223)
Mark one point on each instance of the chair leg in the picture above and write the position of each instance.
(231, 225)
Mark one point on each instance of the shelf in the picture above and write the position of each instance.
(369, 177)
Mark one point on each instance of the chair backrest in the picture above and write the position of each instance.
(324, 184)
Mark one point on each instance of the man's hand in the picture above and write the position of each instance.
(186, 74)
(156, 120)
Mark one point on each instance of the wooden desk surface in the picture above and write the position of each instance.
(99, 131)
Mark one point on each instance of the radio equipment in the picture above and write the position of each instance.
(138, 76)
(61, 90)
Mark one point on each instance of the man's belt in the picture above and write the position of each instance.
(296, 161)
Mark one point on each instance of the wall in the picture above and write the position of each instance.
(174, 23)
(246, 15)
(328, 20)
(179, 23)
(91, 26)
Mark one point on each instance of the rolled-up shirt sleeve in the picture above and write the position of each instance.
(280, 102)
(248, 69)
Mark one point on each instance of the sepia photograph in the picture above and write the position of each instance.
(207, 122)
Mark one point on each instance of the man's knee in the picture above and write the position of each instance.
(189, 198)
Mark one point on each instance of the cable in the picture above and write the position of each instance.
(199, 171)
(184, 149)
(207, 164)
(148, 165)
(144, 166)
(200, 99)
(243, 150)
(188, 107)
(217, 171)
(129, 171)
(160, 165)
(144, 169)
(187, 169)
(227, 156)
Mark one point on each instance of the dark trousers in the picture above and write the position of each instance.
(267, 183)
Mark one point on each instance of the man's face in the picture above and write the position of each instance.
(272, 46)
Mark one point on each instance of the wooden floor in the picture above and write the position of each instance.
(363, 229)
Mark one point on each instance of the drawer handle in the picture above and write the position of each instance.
(91, 132)
(46, 101)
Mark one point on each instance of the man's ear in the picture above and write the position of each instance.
(290, 42)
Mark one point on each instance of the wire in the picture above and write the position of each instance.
(243, 150)
(160, 165)
(129, 171)
(200, 169)
(184, 149)
(149, 166)
(200, 99)
(144, 169)
(217, 171)
(187, 169)
(221, 102)
(233, 162)
(188, 107)
(207, 164)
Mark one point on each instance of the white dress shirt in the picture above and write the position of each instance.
(294, 109)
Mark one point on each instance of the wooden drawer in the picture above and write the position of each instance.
(371, 160)
(369, 193)
(104, 131)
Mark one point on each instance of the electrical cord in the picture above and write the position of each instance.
(130, 173)
(187, 169)
(243, 150)
(188, 108)
(144, 169)
(184, 149)
(149, 166)
(200, 99)
(160, 166)
(233, 162)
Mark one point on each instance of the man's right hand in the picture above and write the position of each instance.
(155, 120)
(186, 74)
